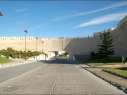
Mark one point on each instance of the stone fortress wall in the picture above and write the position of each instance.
(74, 46)
(18, 43)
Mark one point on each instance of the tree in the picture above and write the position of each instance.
(105, 48)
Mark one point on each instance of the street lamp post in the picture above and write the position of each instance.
(36, 46)
(36, 43)
(42, 45)
(43, 48)
(62, 44)
(25, 42)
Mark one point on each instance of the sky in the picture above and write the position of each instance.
(59, 18)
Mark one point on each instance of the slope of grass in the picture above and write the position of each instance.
(115, 71)
(4, 60)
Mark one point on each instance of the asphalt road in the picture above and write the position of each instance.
(10, 72)
(52, 79)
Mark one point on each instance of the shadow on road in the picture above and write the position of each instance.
(58, 60)
(62, 60)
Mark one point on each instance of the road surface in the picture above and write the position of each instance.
(52, 79)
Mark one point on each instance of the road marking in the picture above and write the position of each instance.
(53, 87)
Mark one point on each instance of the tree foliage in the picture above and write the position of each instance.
(9, 52)
(105, 48)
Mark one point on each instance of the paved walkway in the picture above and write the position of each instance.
(116, 80)
(57, 79)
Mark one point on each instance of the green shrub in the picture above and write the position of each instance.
(106, 60)
(9, 52)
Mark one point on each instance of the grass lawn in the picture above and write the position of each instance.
(4, 60)
(116, 71)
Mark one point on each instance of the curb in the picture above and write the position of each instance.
(120, 87)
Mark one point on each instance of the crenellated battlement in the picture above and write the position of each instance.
(17, 38)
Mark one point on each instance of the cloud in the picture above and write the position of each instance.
(102, 20)
(21, 10)
(39, 25)
(116, 5)
(36, 27)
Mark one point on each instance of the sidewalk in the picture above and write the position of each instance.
(16, 62)
(119, 82)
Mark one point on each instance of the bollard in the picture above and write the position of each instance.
(123, 59)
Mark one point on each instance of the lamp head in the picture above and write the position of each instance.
(1, 14)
